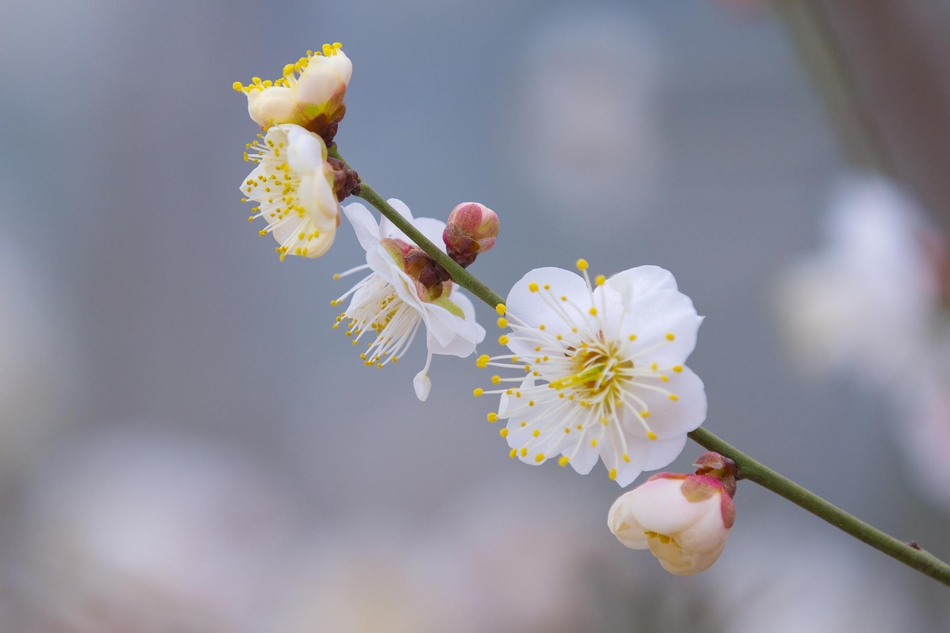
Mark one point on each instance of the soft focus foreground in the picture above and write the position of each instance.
(186, 449)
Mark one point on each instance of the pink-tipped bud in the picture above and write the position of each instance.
(684, 520)
(470, 231)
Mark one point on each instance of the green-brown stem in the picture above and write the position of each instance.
(761, 474)
(749, 468)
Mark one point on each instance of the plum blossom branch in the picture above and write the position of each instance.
(748, 468)
(761, 474)
(461, 276)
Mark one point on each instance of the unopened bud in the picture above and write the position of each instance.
(470, 231)
(684, 520)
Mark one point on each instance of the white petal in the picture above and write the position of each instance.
(709, 533)
(364, 224)
(432, 230)
(671, 419)
(651, 319)
(305, 150)
(690, 563)
(642, 280)
(624, 526)
(468, 309)
(510, 402)
(387, 228)
(660, 507)
(422, 385)
(537, 308)
(271, 105)
(585, 458)
(661, 453)
(611, 452)
(463, 335)
(318, 82)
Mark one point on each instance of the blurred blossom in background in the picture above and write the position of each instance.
(873, 304)
(187, 446)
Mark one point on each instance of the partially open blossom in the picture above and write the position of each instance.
(600, 370)
(393, 303)
(471, 230)
(684, 520)
(310, 93)
(293, 186)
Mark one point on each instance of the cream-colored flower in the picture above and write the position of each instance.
(310, 93)
(293, 186)
(684, 520)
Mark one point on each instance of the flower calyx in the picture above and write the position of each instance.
(712, 464)
(430, 277)
(346, 182)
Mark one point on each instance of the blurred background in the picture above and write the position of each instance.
(186, 445)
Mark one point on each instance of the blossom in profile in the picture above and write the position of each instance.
(684, 520)
(309, 94)
(600, 370)
(391, 304)
(294, 188)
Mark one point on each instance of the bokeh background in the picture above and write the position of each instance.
(187, 445)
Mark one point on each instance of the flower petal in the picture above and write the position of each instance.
(659, 506)
(661, 453)
(364, 224)
(672, 418)
(642, 280)
(664, 324)
(387, 229)
(546, 306)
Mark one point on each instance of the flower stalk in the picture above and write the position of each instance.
(752, 470)
(747, 467)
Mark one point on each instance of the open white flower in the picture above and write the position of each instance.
(293, 186)
(605, 374)
(313, 100)
(393, 305)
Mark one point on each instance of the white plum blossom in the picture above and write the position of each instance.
(601, 370)
(863, 304)
(314, 99)
(393, 305)
(293, 186)
(684, 520)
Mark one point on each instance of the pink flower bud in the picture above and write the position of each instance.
(471, 230)
(684, 520)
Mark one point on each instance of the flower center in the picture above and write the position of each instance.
(599, 375)
(274, 187)
(376, 307)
